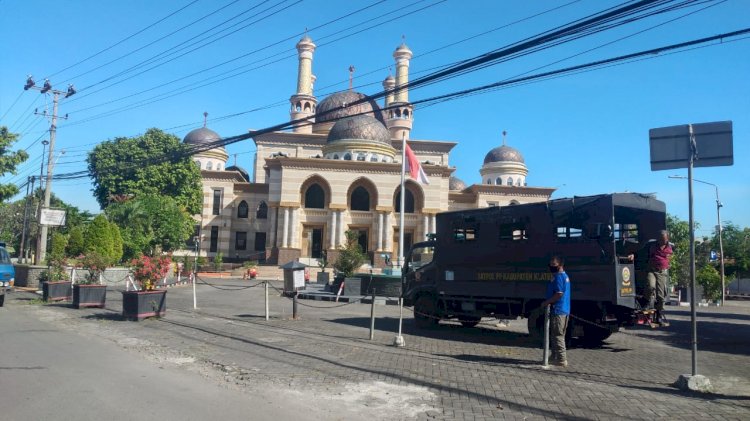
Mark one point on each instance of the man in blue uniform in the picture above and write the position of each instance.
(558, 297)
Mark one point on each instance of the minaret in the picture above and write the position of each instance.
(303, 102)
(399, 114)
(388, 84)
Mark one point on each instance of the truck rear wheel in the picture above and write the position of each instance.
(425, 314)
(594, 335)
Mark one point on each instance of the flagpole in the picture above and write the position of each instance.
(399, 340)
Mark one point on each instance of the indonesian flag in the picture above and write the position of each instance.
(414, 168)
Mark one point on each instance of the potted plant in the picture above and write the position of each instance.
(90, 292)
(147, 301)
(349, 260)
(323, 276)
(251, 270)
(55, 280)
(218, 262)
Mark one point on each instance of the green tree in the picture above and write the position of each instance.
(150, 224)
(128, 167)
(710, 280)
(98, 237)
(736, 243)
(9, 161)
(117, 243)
(679, 234)
(75, 241)
(57, 248)
(350, 256)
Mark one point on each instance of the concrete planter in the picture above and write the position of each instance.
(353, 286)
(138, 305)
(57, 291)
(89, 295)
(323, 278)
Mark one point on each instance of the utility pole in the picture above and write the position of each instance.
(29, 188)
(47, 87)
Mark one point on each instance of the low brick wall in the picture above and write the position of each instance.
(28, 276)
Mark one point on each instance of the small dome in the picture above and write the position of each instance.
(360, 127)
(403, 47)
(240, 170)
(455, 183)
(503, 154)
(201, 136)
(334, 107)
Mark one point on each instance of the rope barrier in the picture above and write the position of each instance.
(230, 288)
(312, 306)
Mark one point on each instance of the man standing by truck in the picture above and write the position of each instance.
(657, 275)
(558, 298)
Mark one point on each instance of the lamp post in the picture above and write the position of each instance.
(719, 205)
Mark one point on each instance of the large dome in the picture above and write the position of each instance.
(455, 183)
(360, 127)
(503, 154)
(201, 136)
(335, 107)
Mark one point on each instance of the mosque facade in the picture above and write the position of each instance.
(341, 171)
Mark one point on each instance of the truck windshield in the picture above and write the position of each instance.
(421, 256)
(4, 257)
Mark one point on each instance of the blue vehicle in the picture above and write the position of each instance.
(7, 274)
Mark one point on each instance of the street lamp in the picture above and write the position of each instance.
(719, 205)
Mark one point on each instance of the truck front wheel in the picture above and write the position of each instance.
(425, 314)
(594, 335)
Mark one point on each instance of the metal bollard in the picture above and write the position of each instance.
(266, 288)
(546, 336)
(372, 316)
(294, 306)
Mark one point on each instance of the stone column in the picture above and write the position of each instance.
(285, 232)
(433, 224)
(341, 237)
(426, 224)
(387, 231)
(332, 230)
(293, 228)
(272, 227)
(380, 231)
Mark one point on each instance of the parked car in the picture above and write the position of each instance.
(7, 274)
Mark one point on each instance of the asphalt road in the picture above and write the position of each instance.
(47, 373)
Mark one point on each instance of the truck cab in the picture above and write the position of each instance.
(492, 262)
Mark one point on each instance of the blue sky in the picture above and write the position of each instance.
(586, 133)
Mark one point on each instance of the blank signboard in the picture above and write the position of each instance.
(670, 146)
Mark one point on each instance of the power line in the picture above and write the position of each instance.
(436, 99)
(123, 40)
(171, 52)
(12, 105)
(153, 42)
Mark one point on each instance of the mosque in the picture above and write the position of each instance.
(339, 172)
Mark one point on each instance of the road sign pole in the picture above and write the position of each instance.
(691, 223)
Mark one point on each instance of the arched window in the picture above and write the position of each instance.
(374, 158)
(361, 156)
(406, 114)
(198, 163)
(218, 167)
(298, 107)
(335, 156)
(489, 181)
(518, 182)
(360, 199)
(242, 210)
(307, 107)
(315, 197)
(408, 202)
(262, 212)
(348, 157)
(510, 181)
(514, 202)
(499, 181)
(209, 165)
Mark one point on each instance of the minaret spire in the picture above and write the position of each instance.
(205, 118)
(351, 77)
(504, 134)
